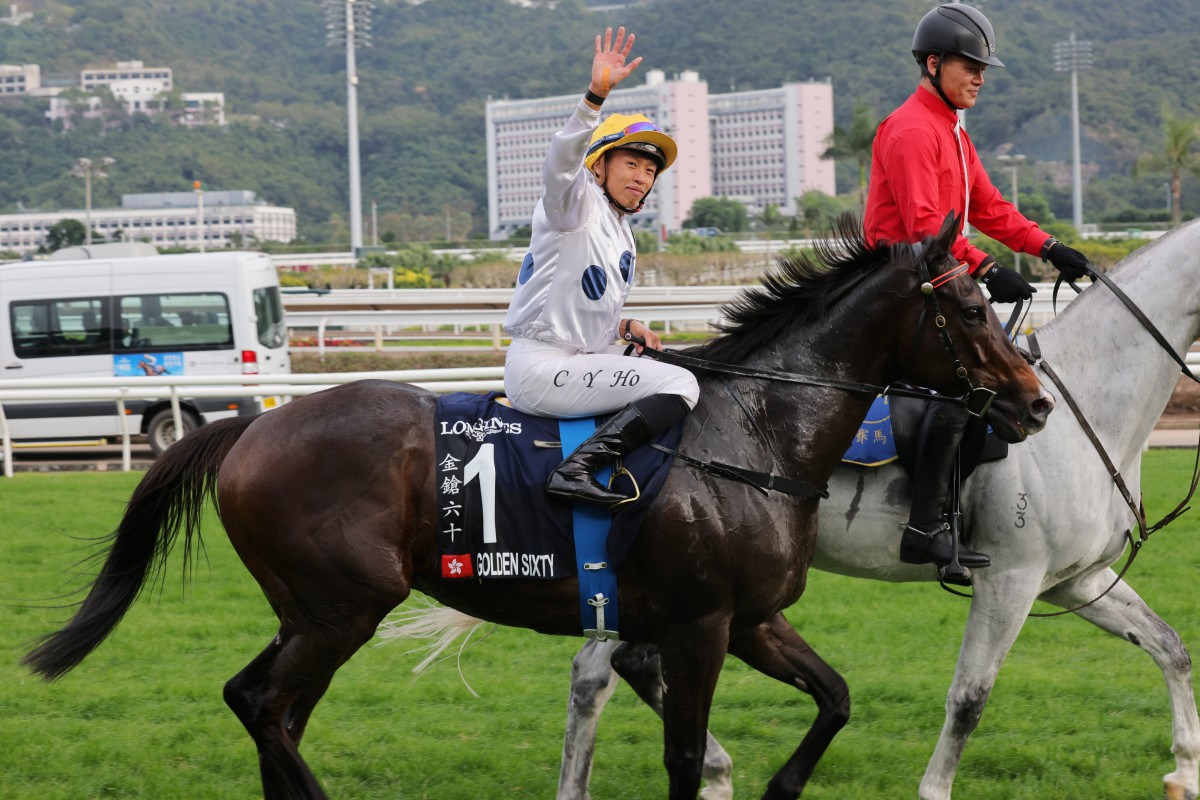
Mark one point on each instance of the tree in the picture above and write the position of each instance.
(855, 142)
(770, 218)
(717, 212)
(64, 233)
(1178, 155)
(817, 212)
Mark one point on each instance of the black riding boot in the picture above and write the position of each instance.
(927, 537)
(632, 426)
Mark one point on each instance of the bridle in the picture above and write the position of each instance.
(977, 400)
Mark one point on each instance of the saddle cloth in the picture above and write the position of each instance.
(495, 520)
(874, 445)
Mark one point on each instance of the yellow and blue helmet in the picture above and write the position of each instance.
(631, 132)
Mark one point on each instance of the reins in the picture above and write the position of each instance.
(977, 400)
(976, 407)
(1137, 507)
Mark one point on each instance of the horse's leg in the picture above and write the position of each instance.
(592, 683)
(640, 667)
(296, 666)
(1123, 613)
(775, 649)
(692, 655)
(593, 674)
(998, 610)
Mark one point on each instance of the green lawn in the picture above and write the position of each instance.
(1076, 714)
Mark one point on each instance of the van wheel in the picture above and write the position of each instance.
(161, 430)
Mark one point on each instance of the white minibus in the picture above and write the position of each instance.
(193, 314)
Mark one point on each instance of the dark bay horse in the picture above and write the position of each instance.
(330, 503)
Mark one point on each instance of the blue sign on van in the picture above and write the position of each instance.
(130, 365)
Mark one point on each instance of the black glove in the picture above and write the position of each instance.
(1005, 285)
(1067, 260)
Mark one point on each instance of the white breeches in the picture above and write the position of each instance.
(553, 380)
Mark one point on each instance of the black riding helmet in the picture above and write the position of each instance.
(956, 28)
(953, 28)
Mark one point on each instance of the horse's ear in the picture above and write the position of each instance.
(940, 246)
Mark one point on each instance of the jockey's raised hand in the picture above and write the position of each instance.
(609, 65)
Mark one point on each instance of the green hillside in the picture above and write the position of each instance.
(424, 82)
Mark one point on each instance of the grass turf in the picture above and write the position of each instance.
(1075, 714)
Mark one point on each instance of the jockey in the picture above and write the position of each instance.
(566, 311)
(924, 166)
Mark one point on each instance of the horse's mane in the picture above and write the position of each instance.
(797, 291)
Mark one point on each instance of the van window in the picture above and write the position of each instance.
(75, 327)
(84, 326)
(269, 310)
(197, 321)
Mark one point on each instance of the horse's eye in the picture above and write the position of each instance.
(974, 313)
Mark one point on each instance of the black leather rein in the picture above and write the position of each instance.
(977, 400)
(1135, 506)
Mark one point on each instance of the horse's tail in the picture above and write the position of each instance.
(172, 494)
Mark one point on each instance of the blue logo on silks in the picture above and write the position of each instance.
(130, 365)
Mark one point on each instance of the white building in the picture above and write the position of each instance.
(133, 83)
(758, 147)
(165, 220)
(17, 79)
(16, 16)
(203, 108)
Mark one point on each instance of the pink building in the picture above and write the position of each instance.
(757, 147)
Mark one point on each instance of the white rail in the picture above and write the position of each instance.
(119, 390)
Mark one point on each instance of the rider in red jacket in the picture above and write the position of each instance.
(923, 167)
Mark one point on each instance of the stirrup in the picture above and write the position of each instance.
(618, 470)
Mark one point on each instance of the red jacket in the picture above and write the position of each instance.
(917, 178)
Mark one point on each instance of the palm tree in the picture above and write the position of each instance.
(855, 142)
(1178, 155)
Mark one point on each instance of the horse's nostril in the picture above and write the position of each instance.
(1043, 405)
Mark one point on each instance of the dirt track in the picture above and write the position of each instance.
(1183, 410)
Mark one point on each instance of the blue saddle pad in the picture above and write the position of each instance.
(495, 520)
(873, 445)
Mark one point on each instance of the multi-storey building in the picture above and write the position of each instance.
(20, 79)
(169, 219)
(133, 83)
(759, 147)
(767, 145)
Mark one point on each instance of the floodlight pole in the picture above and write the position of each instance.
(356, 221)
(1013, 162)
(1073, 56)
(87, 169)
(351, 22)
